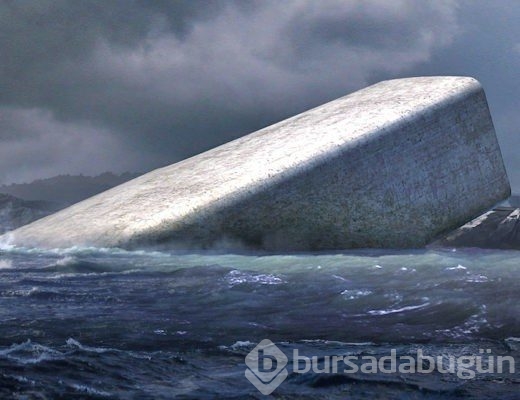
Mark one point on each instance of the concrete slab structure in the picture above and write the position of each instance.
(392, 165)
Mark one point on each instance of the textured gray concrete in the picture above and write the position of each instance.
(392, 165)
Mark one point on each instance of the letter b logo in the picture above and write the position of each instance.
(266, 367)
(266, 362)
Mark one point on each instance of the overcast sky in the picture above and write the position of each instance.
(91, 86)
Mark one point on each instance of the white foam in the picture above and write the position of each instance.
(237, 277)
(238, 345)
(21, 292)
(352, 294)
(336, 342)
(89, 390)
(5, 241)
(398, 310)
(67, 260)
(31, 353)
(458, 267)
(74, 343)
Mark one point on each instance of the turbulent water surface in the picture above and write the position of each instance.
(97, 323)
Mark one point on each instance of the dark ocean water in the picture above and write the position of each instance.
(113, 324)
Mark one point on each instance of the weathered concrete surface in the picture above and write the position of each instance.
(392, 165)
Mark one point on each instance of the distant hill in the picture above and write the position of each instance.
(16, 212)
(66, 189)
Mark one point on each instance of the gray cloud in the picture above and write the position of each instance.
(132, 85)
(486, 48)
(34, 136)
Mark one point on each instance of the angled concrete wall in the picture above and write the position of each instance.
(392, 165)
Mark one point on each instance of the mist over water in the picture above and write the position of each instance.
(108, 323)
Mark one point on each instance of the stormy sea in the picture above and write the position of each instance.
(90, 323)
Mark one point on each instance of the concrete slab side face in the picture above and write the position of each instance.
(392, 165)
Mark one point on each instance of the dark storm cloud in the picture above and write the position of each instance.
(487, 48)
(95, 85)
(32, 137)
(45, 44)
(362, 25)
(60, 96)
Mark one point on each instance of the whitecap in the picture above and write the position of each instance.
(89, 390)
(352, 294)
(5, 242)
(31, 353)
(340, 278)
(477, 279)
(237, 277)
(21, 292)
(239, 344)
(513, 342)
(457, 268)
(336, 342)
(470, 326)
(65, 261)
(75, 344)
(22, 379)
(398, 310)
